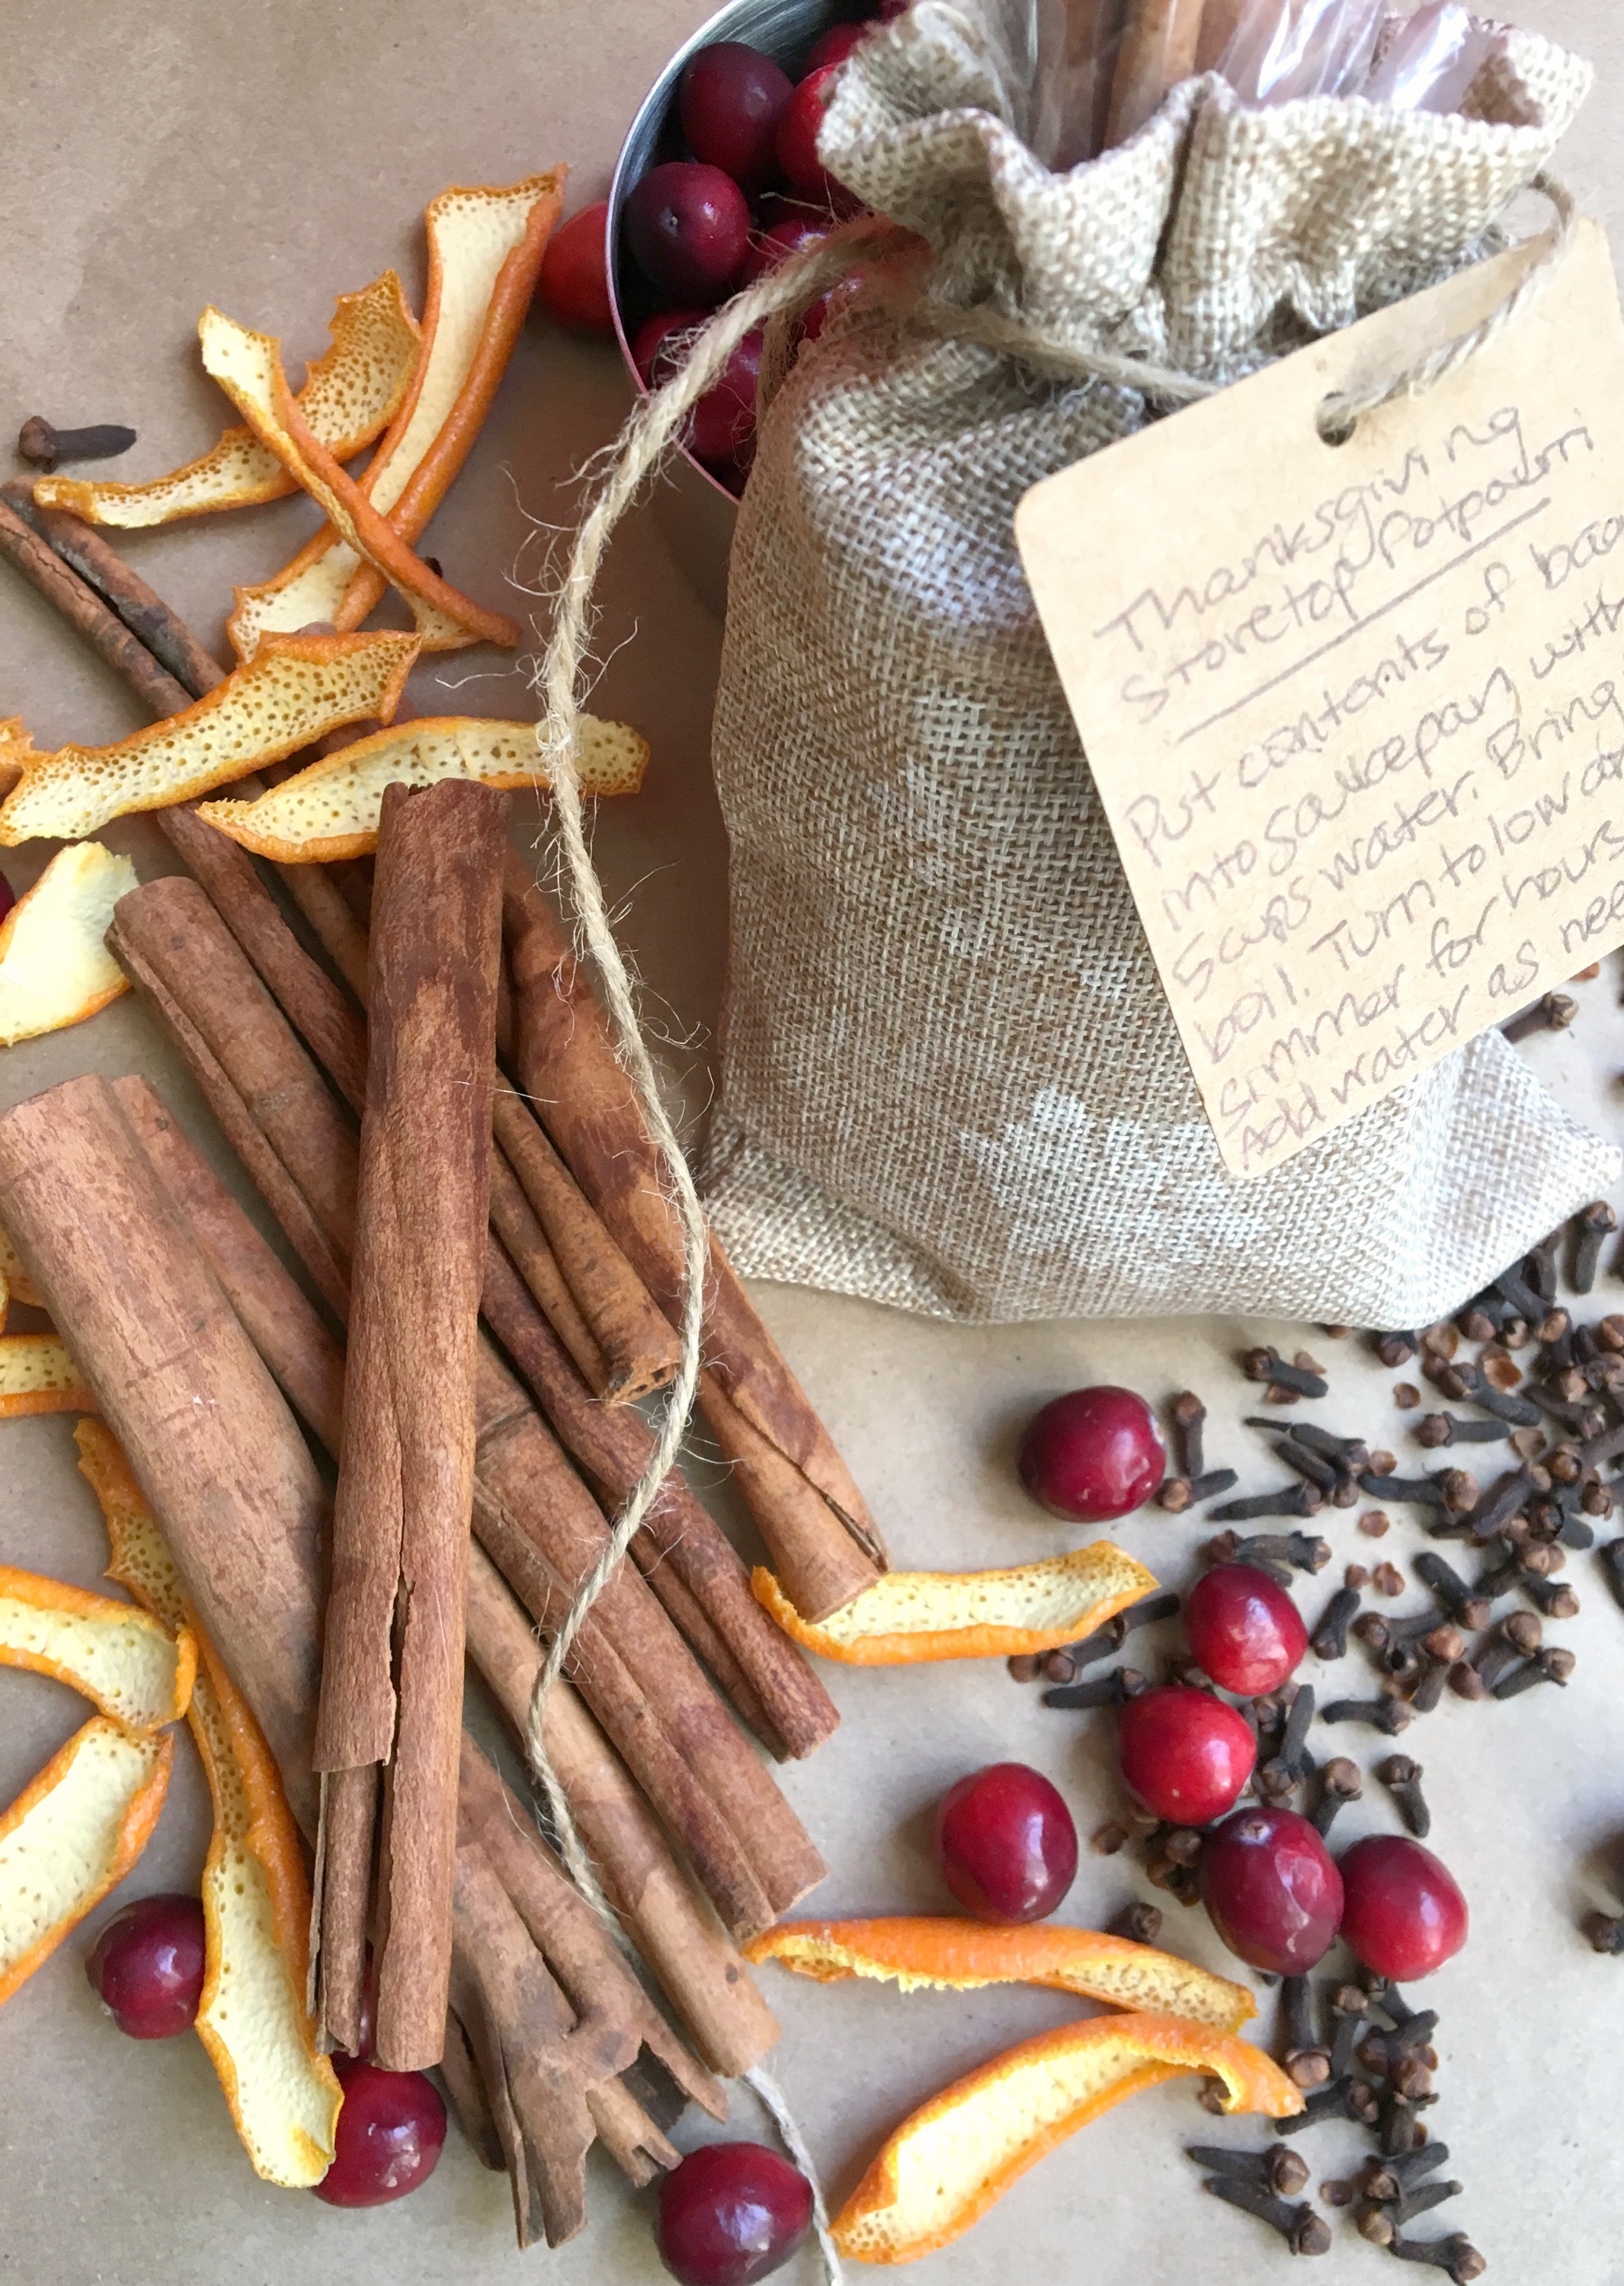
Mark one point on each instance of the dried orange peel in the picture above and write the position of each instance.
(486, 247)
(55, 969)
(37, 1376)
(349, 395)
(947, 2164)
(920, 1952)
(15, 1277)
(298, 689)
(252, 2019)
(249, 367)
(122, 1659)
(16, 748)
(908, 1616)
(72, 1834)
(331, 810)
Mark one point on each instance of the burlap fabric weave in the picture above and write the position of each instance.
(951, 1081)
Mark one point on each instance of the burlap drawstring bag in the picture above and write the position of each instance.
(951, 1079)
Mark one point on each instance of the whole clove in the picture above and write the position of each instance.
(1179, 1494)
(1606, 1934)
(42, 445)
(1612, 1563)
(1303, 2229)
(1122, 1683)
(1425, 2198)
(1306, 2062)
(1274, 2169)
(1268, 1365)
(1553, 1011)
(1554, 1597)
(1329, 1639)
(1308, 1465)
(1429, 1688)
(1108, 1840)
(1453, 1490)
(1340, 1782)
(1289, 1500)
(1190, 1419)
(1472, 1610)
(1591, 1227)
(1395, 1350)
(1340, 2098)
(1545, 1666)
(1436, 1429)
(1456, 2254)
(1298, 1551)
(1403, 1778)
(1140, 1924)
(1390, 2180)
(1348, 1451)
(1388, 1715)
(1349, 2006)
(1468, 1384)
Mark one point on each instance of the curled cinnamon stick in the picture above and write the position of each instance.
(391, 1689)
(1160, 42)
(88, 615)
(524, 1242)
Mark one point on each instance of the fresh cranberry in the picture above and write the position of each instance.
(835, 45)
(771, 247)
(8, 897)
(575, 272)
(797, 133)
(721, 429)
(392, 2130)
(888, 10)
(1274, 1896)
(732, 99)
(1405, 1915)
(147, 1966)
(1005, 1845)
(1092, 1456)
(1244, 1630)
(687, 226)
(650, 355)
(730, 2214)
(1186, 1753)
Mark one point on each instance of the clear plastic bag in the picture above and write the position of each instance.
(1428, 61)
(1285, 49)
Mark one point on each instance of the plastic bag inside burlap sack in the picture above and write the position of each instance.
(951, 1081)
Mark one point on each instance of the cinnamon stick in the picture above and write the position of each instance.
(337, 930)
(391, 1686)
(85, 610)
(524, 1242)
(212, 1444)
(469, 2099)
(1161, 40)
(701, 1972)
(568, 1070)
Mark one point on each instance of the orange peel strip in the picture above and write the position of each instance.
(37, 1376)
(486, 247)
(249, 367)
(920, 1952)
(350, 393)
(298, 689)
(947, 2164)
(122, 1659)
(74, 1832)
(16, 748)
(55, 968)
(284, 2096)
(911, 1616)
(13, 1275)
(331, 810)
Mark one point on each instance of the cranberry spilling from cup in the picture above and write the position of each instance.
(392, 2130)
(148, 1964)
(1005, 1844)
(731, 2213)
(1092, 1456)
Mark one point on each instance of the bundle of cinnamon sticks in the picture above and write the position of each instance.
(522, 1189)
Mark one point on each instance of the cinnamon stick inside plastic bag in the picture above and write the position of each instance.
(1160, 41)
(391, 1693)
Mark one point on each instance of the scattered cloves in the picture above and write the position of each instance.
(42, 445)
(1122, 1683)
(1329, 1639)
(1340, 1782)
(1456, 2254)
(1140, 1924)
(1388, 1715)
(1274, 2169)
(1436, 1429)
(1592, 1226)
(1403, 1778)
(1289, 1500)
(1179, 1494)
(1471, 1611)
(1304, 2230)
(1306, 2062)
(1606, 1934)
(1268, 1365)
(1553, 1011)
(1545, 1666)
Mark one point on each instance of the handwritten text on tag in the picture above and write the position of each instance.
(1356, 713)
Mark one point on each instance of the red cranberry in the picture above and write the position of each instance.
(1244, 1630)
(652, 359)
(1005, 1845)
(147, 1965)
(1273, 1895)
(1094, 1454)
(798, 132)
(792, 235)
(688, 226)
(732, 99)
(721, 429)
(575, 272)
(1405, 1915)
(730, 2214)
(392, 2130)
(835, 45)
(1186, 1753)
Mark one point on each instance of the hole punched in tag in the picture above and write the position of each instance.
(1334, 421)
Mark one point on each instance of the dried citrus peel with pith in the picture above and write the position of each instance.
(120, 1658)
(332, 809)
(938, 1953)
(284, 2097)
(298, 689)
(249, 367)
(350, 392)
(13, 1276)
(908, 1616)
(16, 748)
(37, 1376)
(945, 2165)
(55, 968)
(72, 1834)
(485, 246)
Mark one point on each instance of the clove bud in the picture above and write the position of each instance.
(1389, 1715)
(42, 444)
(1403, 1778)
(1304, 2230)
(1275, 2168)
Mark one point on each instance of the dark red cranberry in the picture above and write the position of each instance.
(1273, 1894)
(1005, 1845)
(797, 133)
(575, 272)
(732, 99)
(392, 2130)
(771, 247)
(1186, 1753)
(731, 2213)
(147, 1965)
(835, 45)
(688, 226)
(1092, 1456)
(722, 428)
(650, 355)
(1244, 1630)
(1404, 1914)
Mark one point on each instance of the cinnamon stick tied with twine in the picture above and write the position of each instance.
(391, 1682)
(815, 1520)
